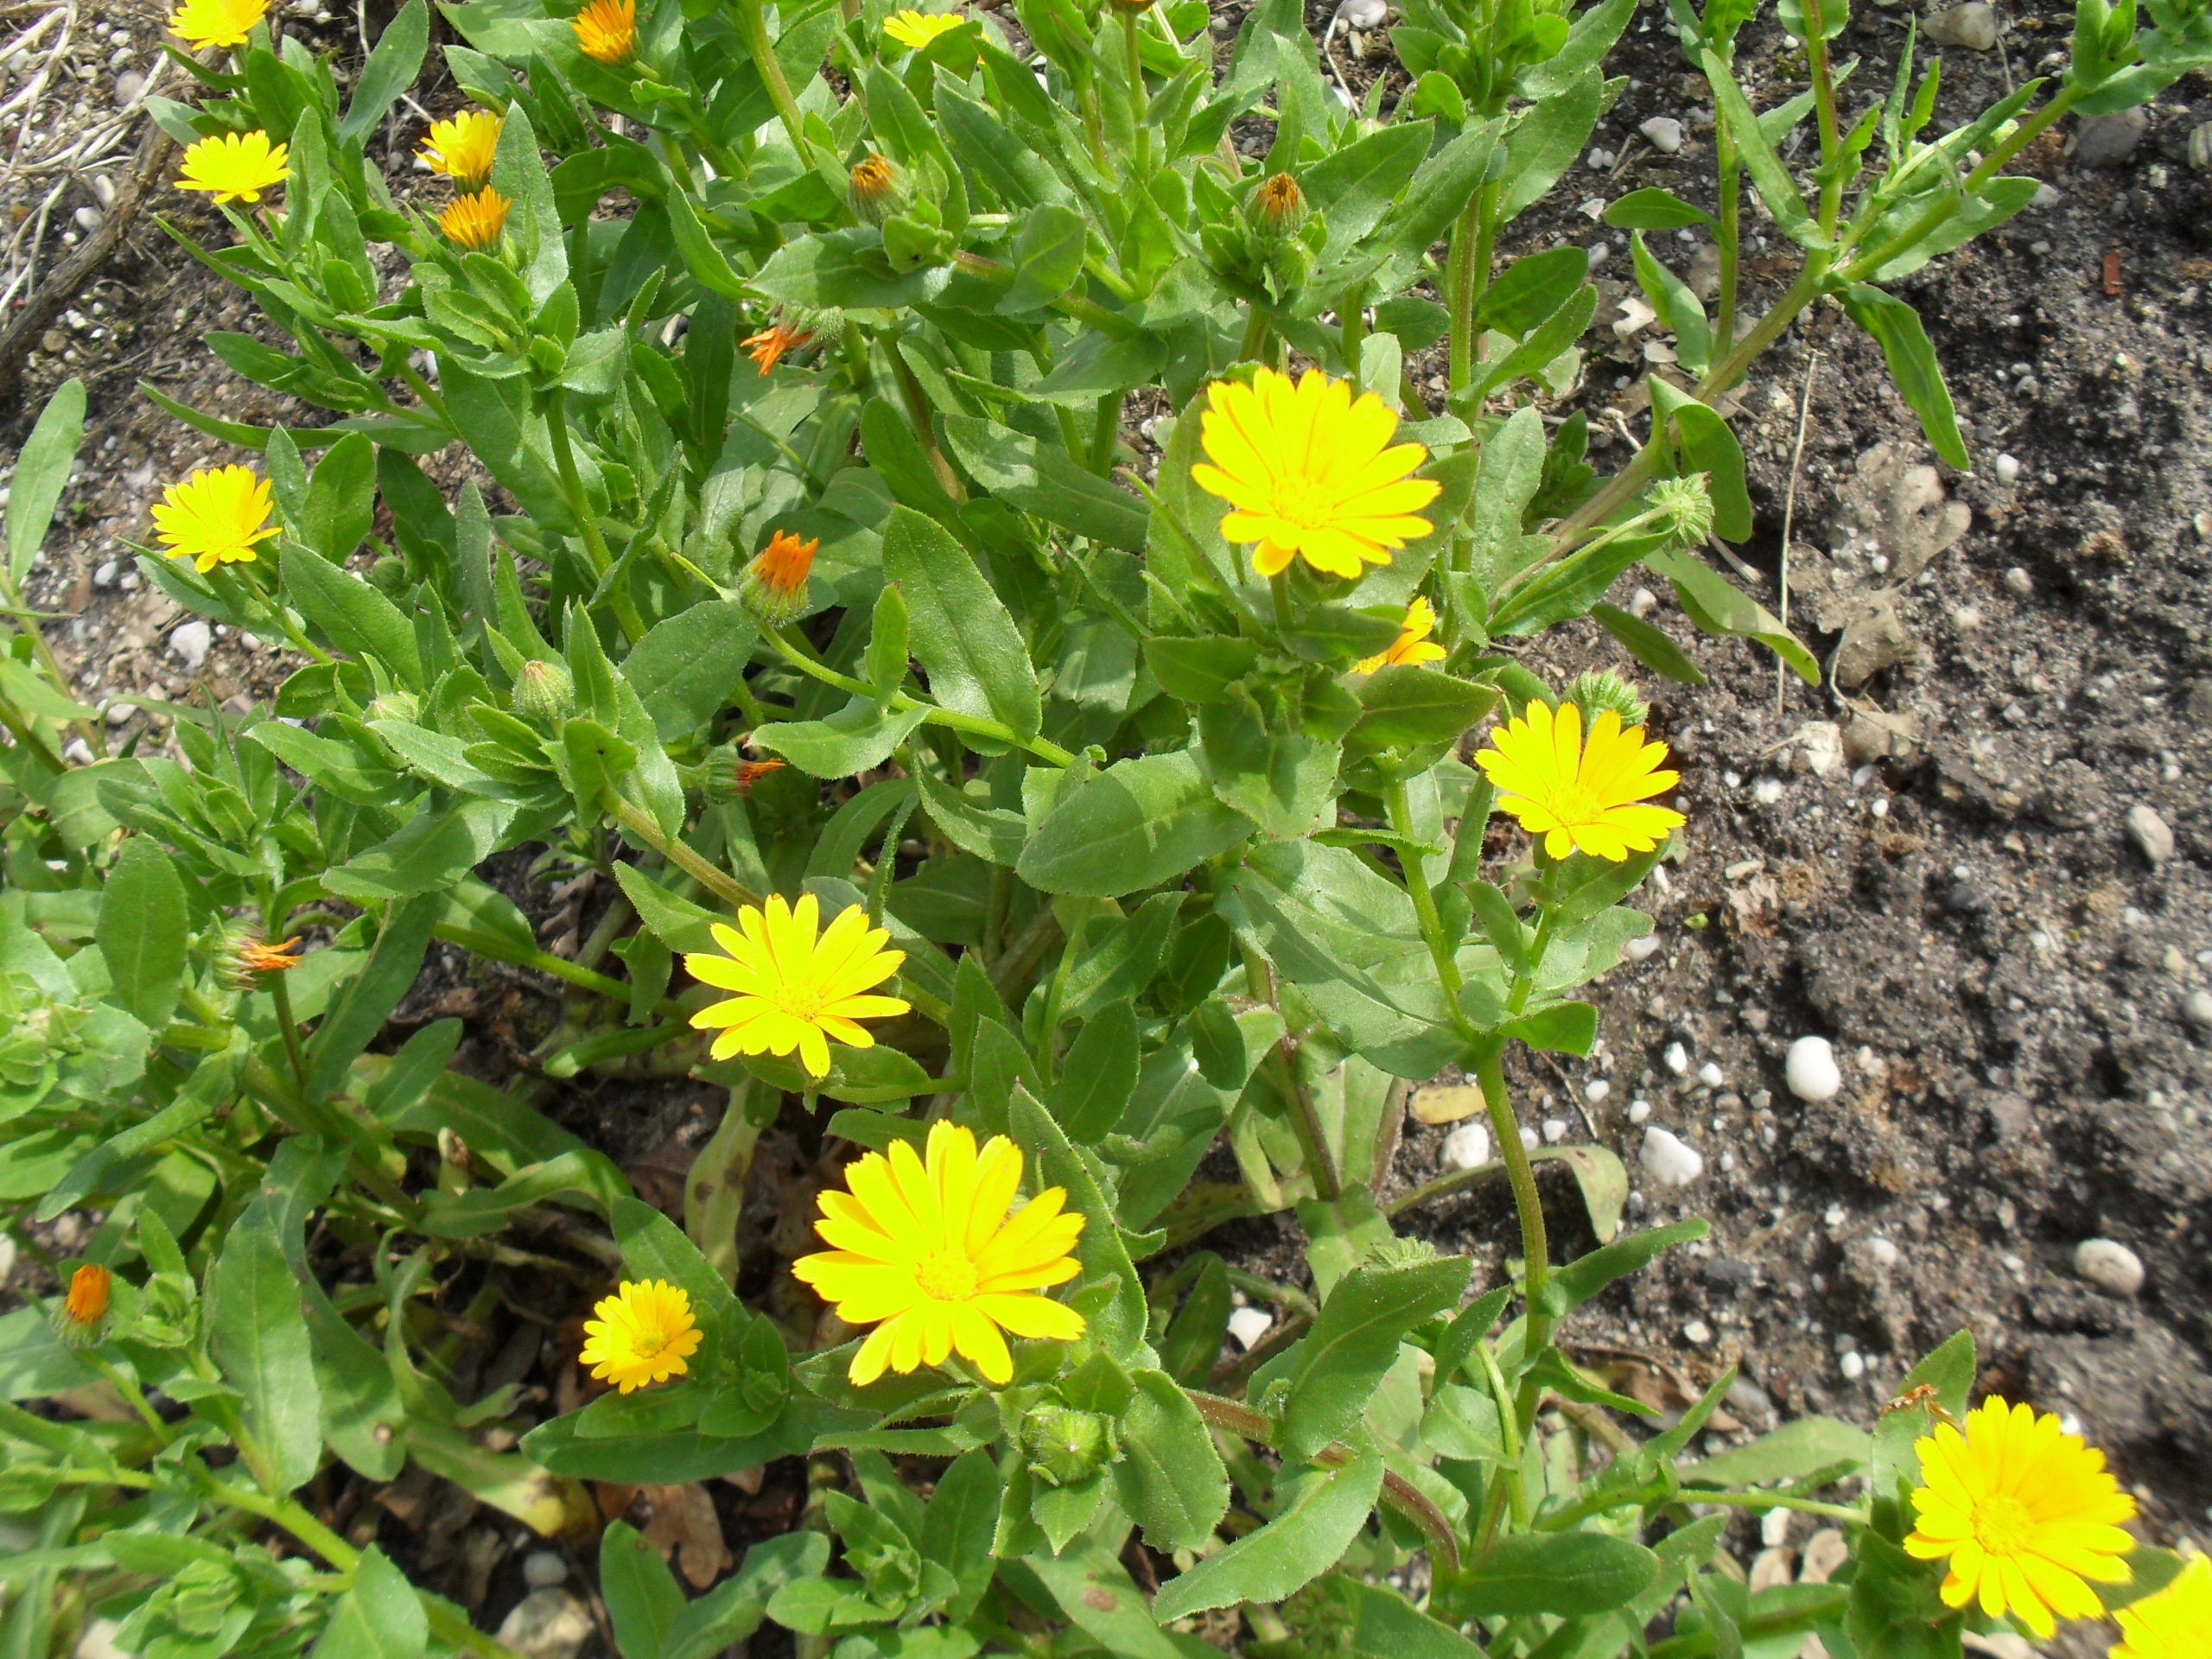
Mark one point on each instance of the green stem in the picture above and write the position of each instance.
(280, 995)
(1104, 432)
(1425, 912)
(595, 540)
(677, 852)
(1074, 306)
(133, 1395)
(499, 950)
(1514, 1488)
(1278, 592)
(1467, 278)
(1535, 1245)
(1256, 336)
(1132, 66)
(753, 30)
(1351, 320)
(1047, 1051)
(917, 412)
(1044, 748)
(1730, 239)
(1842, 1512)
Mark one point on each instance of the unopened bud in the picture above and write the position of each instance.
(1066, 1446)
(876, 192)
(1688, 503)
(1279, 206)
(1593, 694)
(544, 692)
(81, 1319)
(394, 705)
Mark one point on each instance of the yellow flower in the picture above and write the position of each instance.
(2175, 1623)
(1414, 646)
(1306, 471)
(1576, 797)
(216, 518)
(83, 1312)
(462, 148)
(916, 29)
(931, 1252)
(795, 991)
(234, 167)
(608, 30)
(2023, 1512)
(643, 1333)
(216, 22)
(775, 583)
(767, 348)
(476, 221)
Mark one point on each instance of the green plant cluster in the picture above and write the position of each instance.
(1168, 873)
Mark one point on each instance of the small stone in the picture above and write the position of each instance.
(1641, 949)
(1249, 1324)
(1599, 159)
(1710, 1075)
(1467, 1147)
(1643, 601)
(1529, 1140)
(1853, 1365)
(2150, 833)
(2110, 1266)
(542, 1569)
(1972, 26)
(1676, 1060)
(1748, 1400)
(249, 641)
(1771, 1568)
(1669, 1159)
(103, 575)
(2197, 1009)
(2109, 140)
(1811, 1072)
(98, 1642)
(1774, 1528)
(1825, 1551)
(119, 713)
(2018, 583)
(1363, 14)
(1699, 1331)
(548, 1623)
(128, 87)
(2008, 469)
(88, 218)
(2200, 147)
(1639, 1111)
(189, 644)
(1554, 1131)
(1821, 741)
(1665, 134)
(1596, 1090)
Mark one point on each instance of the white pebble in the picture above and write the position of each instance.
(1665, 134)
(1811, 1070)
(1640, 950)
(1835, 1215)
(1669, 1159)
(1711, 1074)
(1530, 1142)
(1638, 1110)
(542, 1568)
(1676, 1060)
(1599, 159)
(1642, 602)
(1885, 1253)
(2197, 1009)
(189, 644)
(2008, 469)
(1554, 1131)
(2018, 583)
(103, 575)
(1467, 1147)
(1363, 14)
(1774, 1528)
(1249, 1324)
(1698, 1332)
(1596, 1090)
(1767, 790)
(2109, 1265)
(1853, 1365)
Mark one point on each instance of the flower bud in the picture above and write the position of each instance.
(544, 692)
(394, 705)
(726, 773)
(245, 957)
(1688, 503)
(1066, 1446)
(81, 1319)
(1595, 693)
(1278, 208)
(877, 192)
(774, 588)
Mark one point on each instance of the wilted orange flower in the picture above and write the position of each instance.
(750, 772)
(257, 956)
(608, 30)
(775, 583)
(771, 342)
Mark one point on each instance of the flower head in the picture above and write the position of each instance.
(726, 773)
(1279, 206)
(1413, 647)
(768, 346)
(608, 30)
(1593, 693)
(216, 22)
(258, 957)
(476, 221)
(83, 1313)
(643, 1333)
(234, 166)
(928, 1249)
(875, 188)
(1577, 797)
(793, 990)
(2175, 1623)
(215, 519)
(1687, 502)
(775, 583)
(916, 29)
(2024, 1514)
(462, 148)
(1307, 473)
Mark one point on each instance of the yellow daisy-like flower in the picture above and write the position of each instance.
(2023, 1512)
(1414, 646)
(1577, 797)
(608, 30)
(916, 29)
(2175, 1623)
(216, 22)
(234, 166)
(775, 582)
(476, 221)
(1311, 473)
(929, 1249)
(215, 519)
(795, 991)
(643, 1333)
(461, 148)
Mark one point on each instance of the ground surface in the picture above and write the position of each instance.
(1958, 901)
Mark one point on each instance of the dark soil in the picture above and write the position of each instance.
(1959, 905)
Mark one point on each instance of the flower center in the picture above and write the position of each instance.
(947, 1276)
(649, 1341)
(2002, 1524)
(800, 1001)
(1305, 502)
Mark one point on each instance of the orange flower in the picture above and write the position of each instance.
(84, 1310)
(771, 342)
(750, 772)
(476, 221)
(608, 30)
(258, 958)
(875, 188)
(775, 583)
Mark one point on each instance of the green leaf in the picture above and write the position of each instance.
(1583, 1277)
(858, 737)
(1355, 186)
(358, 1014)
(958, 1526)
(1768, 177)
(1119, 1325)
(1336, 1367)
(260, 1341)
(1042, 479)
(1949, 1370)
(643, 1598)
(1133, 826)
(430, 852)
(1281, 780)
(1201, 670)
(842, 269)
(1096, 1593)
(653, 1247)
(1405, 707)
(885, 659)
(41, 473)
(1796, 1448)
(380, 1616)
(1912, 364)
(684, 668)
(1566, 1573)
(678, 923)
(1304, 1539)
(1895, 1610)
(1099, 1075)
(390, 70)
(1718, 607)
(1170, 1478)
(1386, 1623)
(1654, 209)
(341, 499)
(1649, 645)
(354, 616)
(991, 833)
(143, 925)
(976, 659)
(1047, 258)
(732, 1609)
